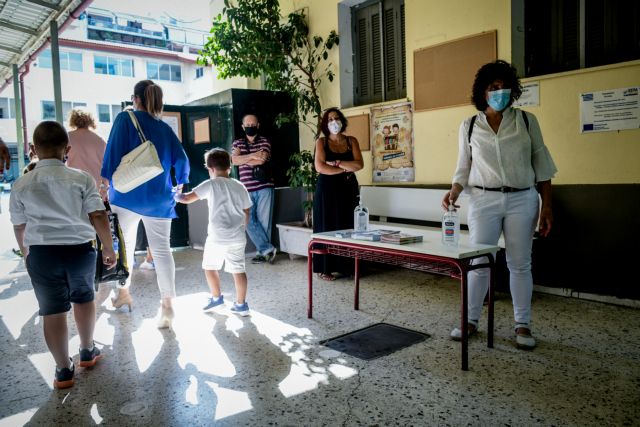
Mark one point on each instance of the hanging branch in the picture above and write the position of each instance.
(249, 39)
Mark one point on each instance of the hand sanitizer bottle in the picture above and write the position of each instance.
(360, 218)
(450, 227)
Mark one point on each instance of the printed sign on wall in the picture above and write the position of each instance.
(615, 109)
(392, 143)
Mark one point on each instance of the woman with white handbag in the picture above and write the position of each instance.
(136, 172)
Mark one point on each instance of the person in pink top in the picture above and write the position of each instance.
(87, 148)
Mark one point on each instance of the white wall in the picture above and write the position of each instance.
(93, 89)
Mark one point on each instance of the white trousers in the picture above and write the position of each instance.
(516, 214)
(158, 235)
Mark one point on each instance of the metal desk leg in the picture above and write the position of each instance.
(310, 278)
(356, 300)
(465, 321)
(490, 313)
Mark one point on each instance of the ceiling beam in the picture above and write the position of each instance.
(15, 27)
(45, 4)
(10, 49)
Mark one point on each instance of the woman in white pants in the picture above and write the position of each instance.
(151, 202)
(502, 161)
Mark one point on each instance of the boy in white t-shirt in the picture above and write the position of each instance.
(229, 204)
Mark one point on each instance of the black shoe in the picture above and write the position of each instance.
(89, 358)
(258, 259)
(64, 377)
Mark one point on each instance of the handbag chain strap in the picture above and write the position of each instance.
(143, 139)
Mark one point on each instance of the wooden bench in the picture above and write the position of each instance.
(416, 207)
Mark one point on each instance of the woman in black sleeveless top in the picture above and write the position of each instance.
(337, 157)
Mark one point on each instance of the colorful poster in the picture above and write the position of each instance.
(392, 143)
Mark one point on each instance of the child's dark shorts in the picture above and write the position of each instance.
(61, 275)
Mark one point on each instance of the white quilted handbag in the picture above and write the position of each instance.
(139, 165)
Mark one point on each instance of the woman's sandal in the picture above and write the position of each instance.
(327, 277)
(524, 340)
(472, 329)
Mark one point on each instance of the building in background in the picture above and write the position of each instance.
(102, 55)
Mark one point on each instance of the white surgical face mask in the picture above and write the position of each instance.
(335, 126)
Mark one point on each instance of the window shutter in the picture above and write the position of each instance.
(362, 85)
(368, 55)
(394, 55)
(379, 52)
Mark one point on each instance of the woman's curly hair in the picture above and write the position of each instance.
(487, 74)
(80, 119)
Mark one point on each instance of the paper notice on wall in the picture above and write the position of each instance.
(530, 95)
(173, 120)
(201, 131)
(615, 109)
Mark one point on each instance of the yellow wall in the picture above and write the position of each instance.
(596, 158)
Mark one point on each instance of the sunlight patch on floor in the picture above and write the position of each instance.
(305, 374)
(198, 344)
(95, 415)
(45, 365)
(18, 419)
(191, 394)
(147, 341)
(230, 402)
(17, 310)
(104, 332)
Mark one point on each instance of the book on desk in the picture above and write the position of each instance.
(401, 238)
(385, 236)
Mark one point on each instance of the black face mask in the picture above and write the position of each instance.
(251, 130)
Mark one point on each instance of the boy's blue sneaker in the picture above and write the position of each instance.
(88, 357)
(213, 303)
(64, 377)
(240, 309)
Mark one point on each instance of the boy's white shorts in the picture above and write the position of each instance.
(229, 254)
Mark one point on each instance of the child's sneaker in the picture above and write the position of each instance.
(212, 303)
(146, 265)
(88, 357)
(64, 377)
(240, 309)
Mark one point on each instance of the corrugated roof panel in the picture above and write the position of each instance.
(31, 16)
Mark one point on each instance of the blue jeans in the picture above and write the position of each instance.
(259, 228)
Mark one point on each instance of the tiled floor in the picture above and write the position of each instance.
(268, 369)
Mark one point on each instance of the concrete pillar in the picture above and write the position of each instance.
(18, 105)
(55, 66)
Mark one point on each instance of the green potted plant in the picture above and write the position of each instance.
(303, 174)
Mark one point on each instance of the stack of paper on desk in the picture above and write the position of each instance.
(400, 238)
(372, 235)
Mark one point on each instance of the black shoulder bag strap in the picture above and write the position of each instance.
(473, 122)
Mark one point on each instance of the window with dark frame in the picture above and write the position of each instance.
(104, 113)
(49, 109)
(167, 72)
(113, 66)
(552, 36)
(379, 51)
(7, 108)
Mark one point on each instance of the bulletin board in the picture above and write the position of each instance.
(201, 131)
(359, 128)
(173, 119)
(444, 73)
